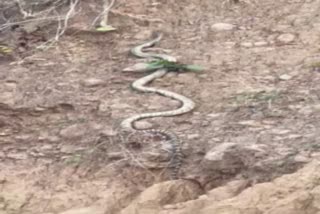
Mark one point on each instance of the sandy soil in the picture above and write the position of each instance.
(260, 87)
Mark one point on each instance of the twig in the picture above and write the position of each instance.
(105, 13)
(69, 14)
(22, 11)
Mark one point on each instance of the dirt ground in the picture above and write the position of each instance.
(260, 87)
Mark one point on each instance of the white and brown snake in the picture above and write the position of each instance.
(186, 106)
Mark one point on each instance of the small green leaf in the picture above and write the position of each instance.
(5, 49)
(105, 28)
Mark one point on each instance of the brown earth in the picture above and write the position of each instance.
(257, 114)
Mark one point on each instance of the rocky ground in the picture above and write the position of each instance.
(250, 146)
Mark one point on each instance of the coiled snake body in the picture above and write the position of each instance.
(187, 105)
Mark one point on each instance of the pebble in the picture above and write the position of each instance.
(286, 38)
(285, 77)
(246, 44)
(260, 44)
(281, 131)
(250, 123)
(193, 136)
(17, 156)
(92, 82)
(301, 159)
(214, 115)
(229, 44)
(222, 27)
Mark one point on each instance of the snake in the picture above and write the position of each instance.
(186, 104)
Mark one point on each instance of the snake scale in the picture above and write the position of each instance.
(186, 105)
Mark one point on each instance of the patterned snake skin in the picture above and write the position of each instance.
(187, 105)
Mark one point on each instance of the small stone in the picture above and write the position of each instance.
(260, 44)
(218, 158)
(193, 136)
(301, 159)
(286, 38)
(92, 82)
(246, 44)
(17, 156)
(285, 77)
(230, 44)
(214, 115)
(222, 27)
(46, 147)
(143, 125)
(281, 131)
(250, 123)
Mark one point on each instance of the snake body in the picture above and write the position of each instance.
(186, 105)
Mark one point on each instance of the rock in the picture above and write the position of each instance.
(230, 157)
(155, 197)
(220, 157)
(286, 38)
(295, 193)
(222, 27)
(301, 159)
(92, 82)
(285, 77)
